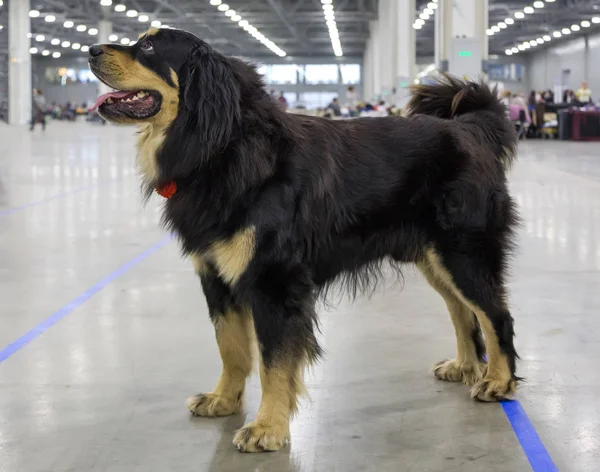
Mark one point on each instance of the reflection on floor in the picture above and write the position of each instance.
(104, 388)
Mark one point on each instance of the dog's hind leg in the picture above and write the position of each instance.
(284, 319)
(235, 335)
(468, 367)
(475, 277)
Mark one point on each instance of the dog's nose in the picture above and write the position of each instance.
(96, 50)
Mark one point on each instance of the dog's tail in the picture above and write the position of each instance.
(474, 104)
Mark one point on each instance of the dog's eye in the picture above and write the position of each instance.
(146, 46)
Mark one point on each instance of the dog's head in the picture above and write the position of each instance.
(195, 95)
(167, 72)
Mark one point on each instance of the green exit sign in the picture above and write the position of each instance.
(465, 53)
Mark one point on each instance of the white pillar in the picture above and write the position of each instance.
(377, 80)
(367, 71)
(104, 31)
(19, 63)
(405, 56)
(387, 40)
(461, 42)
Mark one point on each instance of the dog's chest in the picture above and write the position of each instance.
(230, 256)
(150, 140)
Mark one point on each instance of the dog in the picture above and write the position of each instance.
(274, 208)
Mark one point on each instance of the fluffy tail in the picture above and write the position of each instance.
(472, 103)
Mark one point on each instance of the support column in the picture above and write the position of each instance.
(367, 71)
(104, 31)
(405, 56)
(461, 42)
(377, 80)
(19, 63)
(386, 46)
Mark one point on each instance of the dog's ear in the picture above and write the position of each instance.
(211, 98)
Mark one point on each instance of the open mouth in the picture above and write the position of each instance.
(136, 104)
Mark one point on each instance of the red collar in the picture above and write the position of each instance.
(167, 190)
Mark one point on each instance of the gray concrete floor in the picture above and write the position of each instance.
(104, 388)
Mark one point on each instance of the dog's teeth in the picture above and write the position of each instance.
(141, 94)
(110, 100)
(136, 98)
(128, 100)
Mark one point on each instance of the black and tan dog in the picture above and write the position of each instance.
(273, 208)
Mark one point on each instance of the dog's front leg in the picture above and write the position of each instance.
(282, 301)
(235, 336)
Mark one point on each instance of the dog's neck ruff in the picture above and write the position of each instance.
(167, 190)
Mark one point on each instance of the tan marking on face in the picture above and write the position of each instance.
(150, 32)
(121, 71)
(232, 256)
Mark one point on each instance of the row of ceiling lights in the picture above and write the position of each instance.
(50, 18)
(519, 15)
(555, 34)
(131, 13)
(334, 34)
(246, 26)
(427, 13)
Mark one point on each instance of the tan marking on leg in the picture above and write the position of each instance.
(466, 368)
(270, 431)
(498, 382)
(233, 255)
(235, 337)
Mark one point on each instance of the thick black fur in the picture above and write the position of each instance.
(334, 200)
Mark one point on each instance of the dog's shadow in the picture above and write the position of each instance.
(227, 458)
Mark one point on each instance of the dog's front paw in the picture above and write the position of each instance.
(493, 390)
(257, 437)
(212, 404)
(453, 371)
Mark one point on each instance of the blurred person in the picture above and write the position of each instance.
(548, 96)
(505, 98)
(570, 96)
(517, 99)
(39, 109)
(351, 99)
(584, 94)
(532, 100)
(334, 106)
(282, 100)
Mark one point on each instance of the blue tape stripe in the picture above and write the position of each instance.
(69, 307)
(9, 211)
(531, 443)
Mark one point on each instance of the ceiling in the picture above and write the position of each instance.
(295, 26)
(554, 16)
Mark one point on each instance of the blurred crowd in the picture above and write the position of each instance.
(537, 114)
(43, 112)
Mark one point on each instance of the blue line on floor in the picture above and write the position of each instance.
(52, 198)
(531, 443)
(69, 307)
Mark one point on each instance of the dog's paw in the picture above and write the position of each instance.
(492, 390)
(257, 437)
(453, 371)
(212, 404)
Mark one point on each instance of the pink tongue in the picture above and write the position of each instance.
(102, 98)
